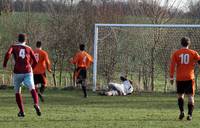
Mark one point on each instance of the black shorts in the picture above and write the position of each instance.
(40, 79)
(185, 87)
(82, 73)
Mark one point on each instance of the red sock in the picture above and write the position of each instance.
(35, 96)
(36, 89)
(19, 101)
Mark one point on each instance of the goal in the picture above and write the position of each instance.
(139, 51)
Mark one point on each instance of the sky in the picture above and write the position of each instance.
(185, 3)
(182, 4)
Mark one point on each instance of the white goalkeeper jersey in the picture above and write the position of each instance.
(125, 88)
(128, 87)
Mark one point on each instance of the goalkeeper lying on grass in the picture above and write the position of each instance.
(116, 89)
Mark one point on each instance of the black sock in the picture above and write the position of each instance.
(190, 109)
(42, 88)
(181, 104)
(84, 91)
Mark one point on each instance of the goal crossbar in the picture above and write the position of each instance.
(97, 26)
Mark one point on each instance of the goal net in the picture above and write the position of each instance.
(139, 51)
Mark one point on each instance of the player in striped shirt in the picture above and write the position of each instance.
(24, 62)
(183, 62)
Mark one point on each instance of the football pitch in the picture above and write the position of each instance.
(68, 109)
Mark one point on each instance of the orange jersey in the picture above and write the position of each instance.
(82, 59)
(184, 61)
(43, 61)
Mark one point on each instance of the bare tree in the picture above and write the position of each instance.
(68, 29)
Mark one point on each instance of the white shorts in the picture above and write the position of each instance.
(118, 87)
(114, 93)
(23, 79)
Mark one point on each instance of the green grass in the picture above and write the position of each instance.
(68, 109)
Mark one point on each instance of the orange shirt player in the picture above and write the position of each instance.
(40, 69)
(82, 61)
(184, 60)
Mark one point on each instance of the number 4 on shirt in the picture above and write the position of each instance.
(22, 53)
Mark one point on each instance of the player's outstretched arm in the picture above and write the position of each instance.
(49, 70)
(48, 63)
(89, 60)
(7, 56)
(34, 61)
(74, 59)
(172, 69)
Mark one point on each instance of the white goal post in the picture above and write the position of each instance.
(96, 38)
